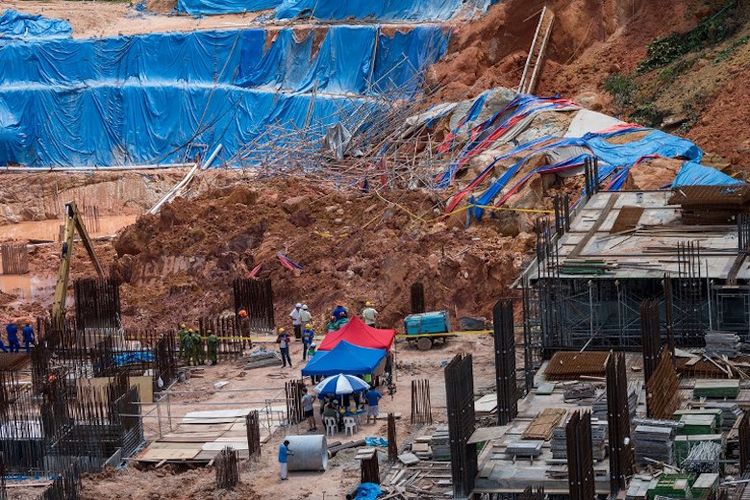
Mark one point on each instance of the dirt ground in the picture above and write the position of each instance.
(260, 480)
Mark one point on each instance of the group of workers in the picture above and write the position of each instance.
(11, 332)
(194, 350)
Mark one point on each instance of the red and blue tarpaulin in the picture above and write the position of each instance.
(345, 358)
(358, 333)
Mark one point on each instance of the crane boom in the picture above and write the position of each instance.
(73, 223)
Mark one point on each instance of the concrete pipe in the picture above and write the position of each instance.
(307, 453)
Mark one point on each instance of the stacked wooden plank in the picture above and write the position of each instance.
(544, 424)
(440, 443)
(722, 344)
(716, 389)
(421, 480)
(654, 442)
(422, 449)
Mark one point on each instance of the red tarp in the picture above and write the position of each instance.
(358, 333)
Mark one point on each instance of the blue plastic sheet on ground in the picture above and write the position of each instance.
(163, 98)
(695, 174)
(368, 491)
(376, 441)
(133, 357)
(14, 24)
(384, 10)
(207, 7)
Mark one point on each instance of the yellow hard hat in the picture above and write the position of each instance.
(368, 303)
(182, 325)
(308, 326)
(281, 330)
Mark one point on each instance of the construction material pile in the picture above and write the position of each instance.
(598, 439)
(722, 344)
(654, 442)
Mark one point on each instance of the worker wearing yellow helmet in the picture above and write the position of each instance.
(308, 334)
(369, 314)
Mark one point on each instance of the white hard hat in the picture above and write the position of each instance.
(298, 305)
(304, 307)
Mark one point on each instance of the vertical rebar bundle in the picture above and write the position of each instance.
(505, 362)
(621, 457)
(417, 298)
(662, 389)
(295, 412)
(580, 457)
(459, 395)
(370, 469)
(421, 406)
(66, 486)
(252, 425)
(15, 258)
(392, 444)
(669, 311)
(227, 470)
(256, 297)
(690, 322)
(744, 443)
(650, 338)
(97, 303)
(227, 328)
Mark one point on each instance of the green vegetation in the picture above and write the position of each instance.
(713, 30)
(671, 72)
(725, 54)
(622, 87)
(648, 115)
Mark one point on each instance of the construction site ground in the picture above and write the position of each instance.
(260, 479)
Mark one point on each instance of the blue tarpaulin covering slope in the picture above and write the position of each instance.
(345, 358)
(14, 24)
(384, 10)
(695, 174)
(167, 97)
(201, 7)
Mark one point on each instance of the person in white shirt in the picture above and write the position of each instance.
(369, 314)
(296, 321)
(304, 315)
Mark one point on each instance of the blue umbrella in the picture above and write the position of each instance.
(338, 385)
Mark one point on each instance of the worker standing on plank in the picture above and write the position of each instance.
(28, 337)
(296, 320)
(369, 314)
(283, 340)
(307, 337)
(213, 348)
(12, 331)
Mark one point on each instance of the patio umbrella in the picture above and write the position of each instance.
(338, 385)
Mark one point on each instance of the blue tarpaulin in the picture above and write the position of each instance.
(345, 358)
(695, 174)
(133, 357)
(14, 24)
(207, 7)
(368, 491)
(164, 98)
(384, 10)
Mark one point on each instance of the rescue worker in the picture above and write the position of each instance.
(296, 321)
(369, 314)
(182, 334)
(307, 338)
(188, 346)
(12, 330)
(198, 352)
(339, 312)
(213, 348)
(283, 340)
(304, 315)
(28, 337)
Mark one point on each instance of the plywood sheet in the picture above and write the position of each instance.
(158, 453)
(544, 423)
(188, 428)
(220, 445)
(486, 404)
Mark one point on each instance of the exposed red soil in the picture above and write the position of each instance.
(353, 246)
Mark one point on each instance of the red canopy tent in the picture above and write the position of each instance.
(358, 333)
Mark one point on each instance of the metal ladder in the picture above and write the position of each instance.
(536, 54)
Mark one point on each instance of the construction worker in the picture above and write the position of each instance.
(198, 352)
(188, 346)
(28, 337)
(296, 320)
(369, 314)
(182, 334)
(304, 315)
(283, 340)
(308, 334)
(213, 348)
(12, 330)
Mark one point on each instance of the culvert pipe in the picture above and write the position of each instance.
(308, 453)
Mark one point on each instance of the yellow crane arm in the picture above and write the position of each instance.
(73, 222)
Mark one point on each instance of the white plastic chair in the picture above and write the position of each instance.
(331, 426)
(350, 425)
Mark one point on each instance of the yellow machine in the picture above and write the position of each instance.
(73, 222)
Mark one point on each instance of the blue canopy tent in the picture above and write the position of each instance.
(345, 358)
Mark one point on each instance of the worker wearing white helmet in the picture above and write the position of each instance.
(296, 320)
(304, 315)
(369, 314)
